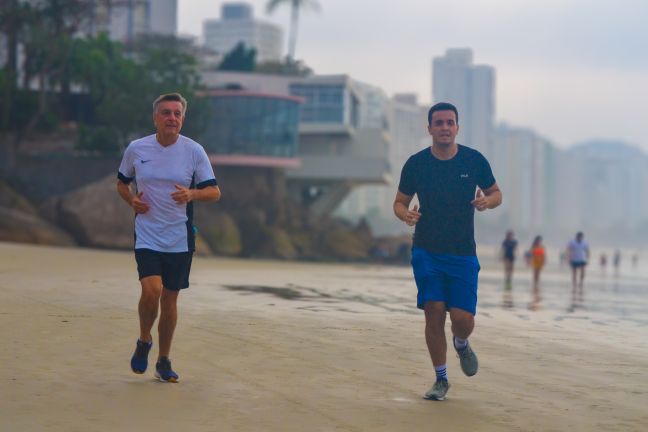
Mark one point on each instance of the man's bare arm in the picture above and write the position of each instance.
(184, 195)
(491, 198)
(402, 211)
(135, 201)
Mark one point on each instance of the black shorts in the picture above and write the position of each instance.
(173, 267)
(577, 264)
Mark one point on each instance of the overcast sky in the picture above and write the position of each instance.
(571, 70)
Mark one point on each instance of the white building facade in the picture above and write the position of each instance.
(126, 19)
(471, 88)
(237, 25)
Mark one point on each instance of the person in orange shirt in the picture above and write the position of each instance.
(538, 258)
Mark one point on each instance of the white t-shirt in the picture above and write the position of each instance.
(577, 250)
(167, 226)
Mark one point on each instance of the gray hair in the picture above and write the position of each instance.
(173, 97)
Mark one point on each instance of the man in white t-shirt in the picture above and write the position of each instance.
(170, 171)
(578, 255)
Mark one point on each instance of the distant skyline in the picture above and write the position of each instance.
(571, 70)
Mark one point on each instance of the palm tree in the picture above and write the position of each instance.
(295, 6)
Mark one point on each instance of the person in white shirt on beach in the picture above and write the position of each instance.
(578, 255)
(170, 171)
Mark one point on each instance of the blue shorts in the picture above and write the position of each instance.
(446, 278)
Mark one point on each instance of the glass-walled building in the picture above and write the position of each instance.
(252, 124)
(327, 103)
(336, 151)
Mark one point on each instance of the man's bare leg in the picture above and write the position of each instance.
(168, 320)
(148, 305)
(147, 309)
(463, 323)
(435, 316)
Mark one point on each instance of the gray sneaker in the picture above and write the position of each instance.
(438, 391)
(467, 359)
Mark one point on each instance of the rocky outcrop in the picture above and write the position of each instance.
(94, 215)
(22, 227)
(276, 243)
(218, 229)
(11, 199)
(20, 222)
(347, 242)
(253, 219)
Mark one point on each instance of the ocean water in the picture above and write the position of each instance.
(609, 295)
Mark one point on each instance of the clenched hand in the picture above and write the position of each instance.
(138, 205)
(182, 195)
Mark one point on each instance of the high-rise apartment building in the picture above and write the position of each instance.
(471, 88)
(125, 19)
(610, 184)
(519, 162)
(236, 25)
(163, 17)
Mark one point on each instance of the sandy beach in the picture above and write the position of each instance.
(278, 346)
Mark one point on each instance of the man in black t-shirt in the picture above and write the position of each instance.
(450, 181)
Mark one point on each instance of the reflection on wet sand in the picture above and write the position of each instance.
(577, 298)
(507, 298)
(536, 298)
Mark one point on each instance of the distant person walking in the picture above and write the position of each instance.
(616, 261)
(538, 259)
(171, 171)
(448, 179)
(578, 254)
(508, 250)
(603, 263)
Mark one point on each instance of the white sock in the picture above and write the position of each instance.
(460, 343)
(441, 372)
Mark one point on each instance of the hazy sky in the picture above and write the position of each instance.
(569, 69)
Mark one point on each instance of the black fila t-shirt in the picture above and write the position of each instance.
(445, 189)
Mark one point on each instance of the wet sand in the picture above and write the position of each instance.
(271, 346)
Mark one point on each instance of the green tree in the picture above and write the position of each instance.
(240, 58)
(118, 86)
(14, 17)
(287, 67)
(170, 68)
(122, 86)
(295, 6)
(47, 45)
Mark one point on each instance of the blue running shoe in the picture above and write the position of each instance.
(164, 372)
(139, 361)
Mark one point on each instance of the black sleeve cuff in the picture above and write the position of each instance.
(489, 186)
(122, 178)
(207, 183)
(406, 193)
